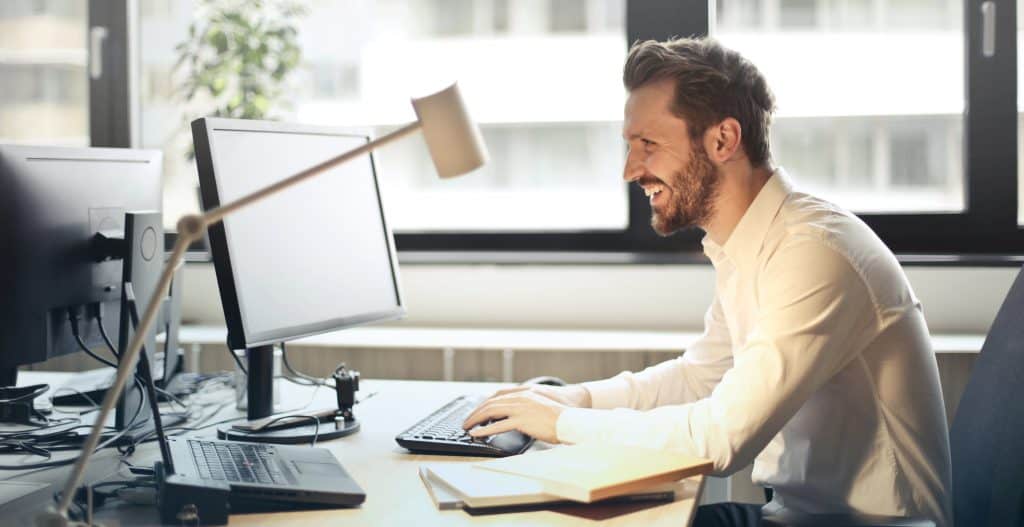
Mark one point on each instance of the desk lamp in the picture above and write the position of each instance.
(456, 147)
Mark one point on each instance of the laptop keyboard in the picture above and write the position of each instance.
(237, 462)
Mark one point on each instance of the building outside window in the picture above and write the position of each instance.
(869, 93)
(542, 78)
(44, 93)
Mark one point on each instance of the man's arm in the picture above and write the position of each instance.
(816, 315)
(686, 378)
(534, 410)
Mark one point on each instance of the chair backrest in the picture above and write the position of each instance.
(987, 435)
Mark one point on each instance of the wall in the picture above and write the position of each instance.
(956, 299)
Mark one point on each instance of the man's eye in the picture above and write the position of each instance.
(647, 142)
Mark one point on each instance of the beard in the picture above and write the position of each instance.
(693, 195)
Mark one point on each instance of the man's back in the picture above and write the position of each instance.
(874, 437)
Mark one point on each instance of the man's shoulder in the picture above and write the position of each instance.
(810, 231)
(805, 218)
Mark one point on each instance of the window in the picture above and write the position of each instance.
(43, 80)
(891, 77)
(542, 79)
(895, 109)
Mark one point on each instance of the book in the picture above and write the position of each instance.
(589, 472)
(461, 485)
(443, 499)
(485, 488)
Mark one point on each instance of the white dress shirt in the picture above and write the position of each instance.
(815, 364)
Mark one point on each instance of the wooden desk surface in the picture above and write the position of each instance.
(389, 476)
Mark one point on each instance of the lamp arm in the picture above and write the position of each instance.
(124, 371)
(190, 229)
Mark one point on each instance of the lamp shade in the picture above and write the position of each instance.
(452, 137)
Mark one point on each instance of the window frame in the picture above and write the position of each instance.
(986, 233)
(110, 95)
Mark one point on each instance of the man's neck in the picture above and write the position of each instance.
(738, 190)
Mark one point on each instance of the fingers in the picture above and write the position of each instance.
(496, 427)
(493, 409)
(501, 396)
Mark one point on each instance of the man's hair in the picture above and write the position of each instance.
(712, 83)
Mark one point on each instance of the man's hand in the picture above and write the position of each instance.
(533, 410)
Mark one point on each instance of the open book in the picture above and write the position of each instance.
(591, 471)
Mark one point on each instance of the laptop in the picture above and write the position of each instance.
(261, 476)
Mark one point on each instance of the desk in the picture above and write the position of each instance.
(388, 473)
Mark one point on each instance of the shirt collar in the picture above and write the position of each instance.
(746, 239)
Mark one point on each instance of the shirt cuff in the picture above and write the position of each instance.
(576, 425)
(609, 393)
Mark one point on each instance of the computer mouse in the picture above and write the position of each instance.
(546, 379)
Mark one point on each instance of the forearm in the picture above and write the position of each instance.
(677, 381)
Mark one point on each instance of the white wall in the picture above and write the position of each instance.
(956, 299)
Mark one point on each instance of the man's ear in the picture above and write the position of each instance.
(724, 141)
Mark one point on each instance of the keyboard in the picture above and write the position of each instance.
(441, 433)
(237, 462)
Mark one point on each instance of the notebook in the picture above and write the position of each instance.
(592, 471)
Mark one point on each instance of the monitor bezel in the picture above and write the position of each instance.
(238, 337)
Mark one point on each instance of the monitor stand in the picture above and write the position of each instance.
(260, 396)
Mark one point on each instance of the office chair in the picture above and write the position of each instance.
(986, 438)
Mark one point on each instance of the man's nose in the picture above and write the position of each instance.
(634, 169)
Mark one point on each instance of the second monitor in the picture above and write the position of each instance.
(316, 259)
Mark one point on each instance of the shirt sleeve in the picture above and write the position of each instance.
(815, 315)
(689, 377)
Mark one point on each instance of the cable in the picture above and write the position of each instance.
(66, 461)
(303, 379)
(173, 398)
(21, 394)
(315, 419)
(80, 393)
(73, 320)
(32, 431)
(103, 332)
(297, 375)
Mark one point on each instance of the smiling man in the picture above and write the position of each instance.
(815, 363)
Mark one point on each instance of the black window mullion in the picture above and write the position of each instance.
(661, 20)
(990, 125)
(109, 103)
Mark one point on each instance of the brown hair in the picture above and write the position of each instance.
(712, 83)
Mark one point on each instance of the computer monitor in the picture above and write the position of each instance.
(53, 203)
(316, 258)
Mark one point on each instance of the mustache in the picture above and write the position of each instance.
(649, 180)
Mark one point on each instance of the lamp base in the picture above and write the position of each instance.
(301, 433)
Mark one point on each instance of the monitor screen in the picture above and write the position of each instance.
(313, 258)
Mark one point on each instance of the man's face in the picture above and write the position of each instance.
(676, 173)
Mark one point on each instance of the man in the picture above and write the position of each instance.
(815, 363)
